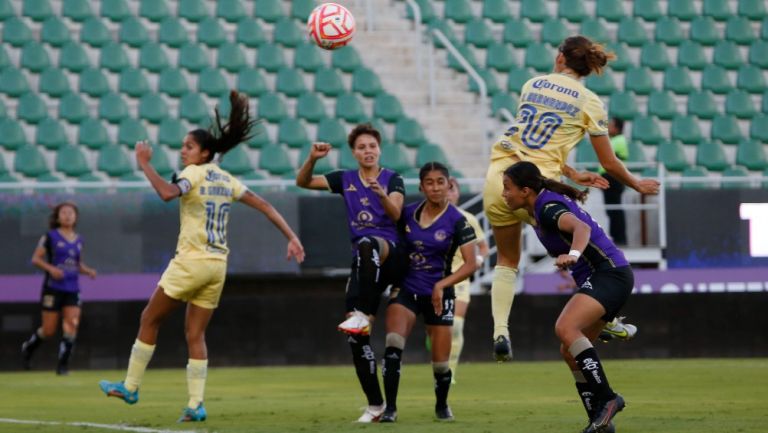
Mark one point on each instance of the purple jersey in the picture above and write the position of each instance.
(65, 255)
(431, 249)
(365, 214)
(600, 252)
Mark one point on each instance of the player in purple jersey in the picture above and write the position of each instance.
(58, 254)
(374, 199)
(434, 229)
(599, 268)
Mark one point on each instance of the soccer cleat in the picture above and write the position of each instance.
(388, 416)
(502, 349)
(617, 330)
(62, 370)
(444, 414)
(610, 429)
(356, 324)
(602, 422)
(193, 415)
(371, 414)
(117, 389)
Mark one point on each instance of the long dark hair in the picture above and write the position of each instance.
(53, 221)
(433, 166)
(526, 174)
(222, 138)
(584, 56)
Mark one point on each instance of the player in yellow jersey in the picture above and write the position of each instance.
(195, 275)
(555, 113)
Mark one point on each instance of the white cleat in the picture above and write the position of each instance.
(371, 414)
(618, 330)
(356, 324)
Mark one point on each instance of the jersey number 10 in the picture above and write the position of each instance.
(216, 221)
(538, 129)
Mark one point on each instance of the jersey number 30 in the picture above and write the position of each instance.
(538, 129)
(216, 222)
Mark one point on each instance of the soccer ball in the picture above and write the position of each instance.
(331, 26)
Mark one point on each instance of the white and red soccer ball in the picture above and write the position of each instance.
(331, 26)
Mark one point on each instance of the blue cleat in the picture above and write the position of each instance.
(117, 389)
(193, 415)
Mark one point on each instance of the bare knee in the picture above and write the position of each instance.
(565, 332)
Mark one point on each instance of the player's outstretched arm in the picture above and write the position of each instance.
(166, 190)
(585, 178)
(305, 178)
(295, 249)
(617, 169)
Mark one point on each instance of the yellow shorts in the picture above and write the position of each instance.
(462, 291)
(496, 210)
(199, 281)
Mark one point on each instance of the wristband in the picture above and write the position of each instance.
(575, 253)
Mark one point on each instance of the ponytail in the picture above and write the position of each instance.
(223, 138)
(584, 56)
(526, 174)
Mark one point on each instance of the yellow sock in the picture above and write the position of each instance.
(457, 343)
(197, 371)
(141, 354)
(502, 295)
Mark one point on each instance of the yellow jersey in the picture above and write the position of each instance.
(555, 112)
(207, 196)
(458, 260)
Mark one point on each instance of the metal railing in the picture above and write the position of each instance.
(419, 32)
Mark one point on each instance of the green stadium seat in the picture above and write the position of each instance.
(51, 134)
(12, 135)
(155, 11)
(380, 126)
(153, 58)
(288, 33)
(54, 32)
(31, 108)
(678, 80)
(274, 158)
(727, 55)
(346, 159)
(236, 161)
(73, 108)
(332, 131)
(93, 82)
(517, 78)
(251, 82)
(765, 102)
(270, 57)
(328, 82)
(491, 84)
(16, 32)
(695, 171)
(290, 82)
(54, 83)
(632, 32)
(230, 10)
(638, 79)
(133, 83)
(350, 108)
(466, 52)
(594, 28)
(3, 110)
(250, 33)
(192, 107)
(93, 134)
(172, 82)
(735, 171)
(715, 79)
(429, 152)
(307, 57)
(739, 103)
(366, 82)
(210, 32)
(395, 157)
(684, 10)
(71, 161)
(623, 59)
(409, 132)
(646, 129)
(726, 129)
(517, 33)
(322, 166)
(669, 31)
(95, 33)
(193, 57)
(37, 10)
(130, 131)
(478, 33)
(115, 10)
(758, 128)
(272, 107)
(34, 57)
(310, 107)
(702, 105)
(704, 31)
(500, 57)
(686, 129)
(73, 58)
(720, 10)
(259, 137)
(161, 163)
(30, 162)
(192, 10)
(459, 11)
(152, 108)
(6, 10)
(585, 154)
(426, 9)
(231, 58)
(554, 31)
(171, 132)
(268, 10)
(672, 155)
(113, 57)
(112, 108)
(504, 100)
(691, 55)
(572, 11)
(346, 58)
(609, 10)
(497, 11)
(114, 161)
(76, 10)
(711, 155)
(292, 133)
(387, 107)
(635, 153)
(133, 33)
(648, 10)
(751, 154)
(534, 10)
(623, 105)
(752, 9)
(750, 78)
(540, 57)
(172, 32)
(739, 30)
(300, 9)
(758, 53)
(654, 56)
(5, 60)
(446, 29)
(602, 84)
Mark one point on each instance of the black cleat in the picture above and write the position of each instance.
(62, 370)
(602, 422)
(444, 414)
(502, 349)
(610, 429)
(389, 415)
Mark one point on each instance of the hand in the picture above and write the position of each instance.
(588, 178)
(375, 187)
(565, 261)
(319, 150)
(295, 250)
(437, 299)
(91, 272)
(647, 186)
(143, 153)
(56, 274)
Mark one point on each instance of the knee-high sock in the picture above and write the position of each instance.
(393, 358)
(34, 341)
(502, 295)
(591, 367)
(457, 343)
(585, 393)
(66, 346)
(443, 377)
(141, 354)
(365, 367)
(197, 372)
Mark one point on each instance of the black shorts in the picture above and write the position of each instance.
(422, 304)
(611, 288)
(55, 300)
(392, 273)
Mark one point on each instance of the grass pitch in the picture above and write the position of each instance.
(678, 396)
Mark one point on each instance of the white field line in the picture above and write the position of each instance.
(118, 427)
